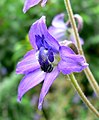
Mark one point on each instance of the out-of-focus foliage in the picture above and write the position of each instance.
(62, 102)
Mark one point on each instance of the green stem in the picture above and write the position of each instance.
(87, 71)
(81, 94)
(45, 114)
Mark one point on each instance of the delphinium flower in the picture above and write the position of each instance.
(62, 31)
(30, 3)
(44, 63)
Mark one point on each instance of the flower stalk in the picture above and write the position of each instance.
(87, 71)
(81, 94)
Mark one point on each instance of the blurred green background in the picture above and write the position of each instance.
(62, 102)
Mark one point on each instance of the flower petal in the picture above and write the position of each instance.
(65, 51)
(29, 3)
(57, 33)
(70, 61)
(49, 79)
(58, 21)
(67, 67)
(29, 81)
(58, 28)
(28, 64)
(39, 28)
(79, 20)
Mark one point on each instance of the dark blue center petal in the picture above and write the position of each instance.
(50, 55)
(42, 55)
(46, 56)
(39, 41)
(47, 67)
(46, 45)
(44, 60)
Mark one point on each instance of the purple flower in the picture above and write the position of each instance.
(62, 31)
(45, 61)
(30, 3)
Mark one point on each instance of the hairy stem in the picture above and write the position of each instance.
(87, 71)
(81, 94)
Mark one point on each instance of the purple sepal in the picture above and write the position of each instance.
(30, 3)
(28, 64)
(39, 28)
(49, 79)
(70, 62)
(29, 81)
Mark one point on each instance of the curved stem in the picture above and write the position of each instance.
(87, 71)
(92, 80)
(45, 114)
(81, 94)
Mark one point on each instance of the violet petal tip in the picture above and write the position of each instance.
(19, 99)
(24, 11)
(40, 106)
